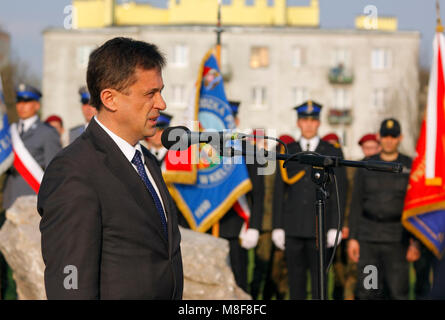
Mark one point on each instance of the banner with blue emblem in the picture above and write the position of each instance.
(6, 151)
(219, 181)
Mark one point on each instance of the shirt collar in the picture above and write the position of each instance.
(313, 143)
(27, 123)
(127, 149)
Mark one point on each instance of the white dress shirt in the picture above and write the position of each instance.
(27, 123)
(129, 151)
(313, 143)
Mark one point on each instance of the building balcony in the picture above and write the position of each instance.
(340, 75)
(340, 116)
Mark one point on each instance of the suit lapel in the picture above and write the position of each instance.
(119, 165)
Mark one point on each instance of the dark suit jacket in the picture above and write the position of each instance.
(294, 205)
(98, 216)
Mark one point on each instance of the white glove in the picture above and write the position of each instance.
(249, 239)
(330, 238)
(278, 238)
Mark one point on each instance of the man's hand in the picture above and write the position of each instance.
(413, 252)
(345, 233)
(353, 250)
(278, 238)
(249, 239)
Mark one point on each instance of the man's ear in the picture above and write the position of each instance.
(378, 136)
(400, 138)
(107, 96)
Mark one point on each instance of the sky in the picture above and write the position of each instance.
(25, 20)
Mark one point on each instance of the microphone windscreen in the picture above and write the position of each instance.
(173, 138)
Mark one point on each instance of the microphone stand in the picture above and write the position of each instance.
(322, 167)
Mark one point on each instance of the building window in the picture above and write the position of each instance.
(297, 57)
(83, 55)
(180, 56)
(259, 96)
(378, 99)
(259, 57)
(342, 98)
(178, 96)
(342, 57)
(299, 95)
(226, 2)
(270, 3)
(381, 59)
(250, 3)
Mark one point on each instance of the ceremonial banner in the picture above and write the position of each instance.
(6, 153)
(218, 183)
(424, 211)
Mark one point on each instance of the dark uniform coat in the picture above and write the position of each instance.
(296, 215)
(377, 203)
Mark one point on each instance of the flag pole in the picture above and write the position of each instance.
(218, 31)
(439, 26)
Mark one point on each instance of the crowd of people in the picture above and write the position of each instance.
(282, 228)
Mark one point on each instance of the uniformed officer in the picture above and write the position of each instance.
(88, 112)
(294, 218)
(377, 237)
(154, 144)
(41, 140)
(230, 224)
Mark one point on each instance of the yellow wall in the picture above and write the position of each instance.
(98, 13)
(383, 23)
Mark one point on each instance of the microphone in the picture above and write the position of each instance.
(181, 138)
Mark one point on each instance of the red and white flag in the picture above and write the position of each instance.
(24, 162)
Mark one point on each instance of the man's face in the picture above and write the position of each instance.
(27, 109)
(308, 127)
(88, 112)
(370, 148)
(57, 125)
(138, 109)
(390, 144)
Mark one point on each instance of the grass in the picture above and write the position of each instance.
(330, 289)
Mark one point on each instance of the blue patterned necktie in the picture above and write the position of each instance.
(137, 161)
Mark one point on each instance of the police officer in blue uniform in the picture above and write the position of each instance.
(88, 112)
(294, 204)
(41, 140)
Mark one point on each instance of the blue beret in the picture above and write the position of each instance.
(27, 93)
(309, 109)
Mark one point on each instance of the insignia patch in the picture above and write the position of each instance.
(389, 124)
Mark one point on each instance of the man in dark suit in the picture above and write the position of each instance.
(109, 229)
(294, 219)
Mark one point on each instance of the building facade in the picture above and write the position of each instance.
(360, 76)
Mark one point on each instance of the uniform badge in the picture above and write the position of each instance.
(310, 107)
(389, 124)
